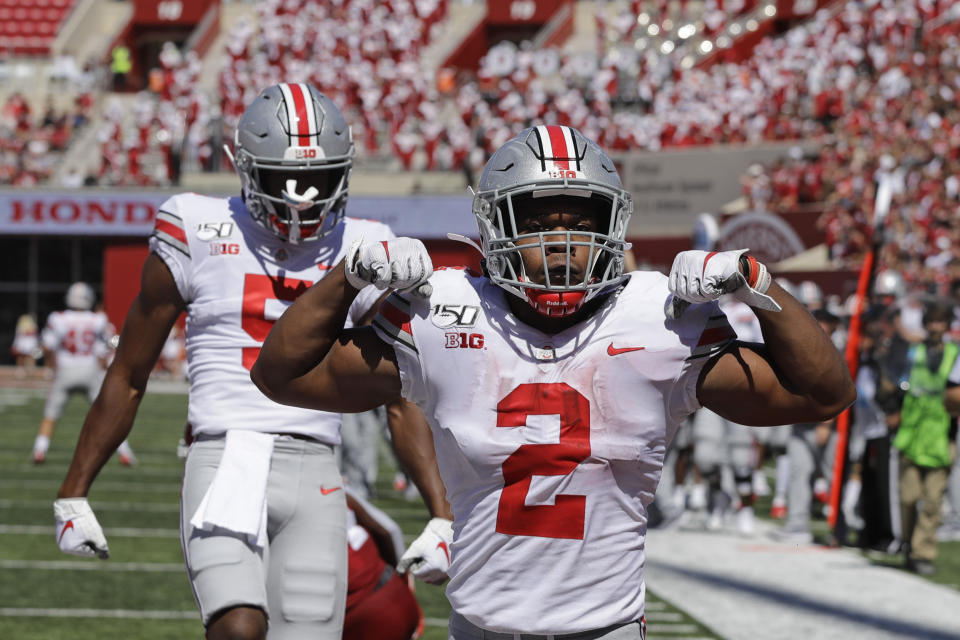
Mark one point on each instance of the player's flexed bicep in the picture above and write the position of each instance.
(309, 359)
(797, 376)
(743, 386)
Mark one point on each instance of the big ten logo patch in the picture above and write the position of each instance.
(224, 249)
(454, 315)
(463, 340)
(562, 173)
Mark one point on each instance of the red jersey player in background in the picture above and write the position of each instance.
(552, 383)
(380, 602)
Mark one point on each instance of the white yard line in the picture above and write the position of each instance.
(435, 622)
(22, 612)
(93, 565)
(99, 505)
(664, 629)
(141, 471)
(117, 532)
(53, 485)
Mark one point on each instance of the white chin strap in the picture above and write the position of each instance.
(297, 202)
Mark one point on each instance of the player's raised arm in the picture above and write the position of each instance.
(796, 376)
(310, 360)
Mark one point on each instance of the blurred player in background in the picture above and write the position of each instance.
(26, 344)
(380, 602)
(76, 346)
(263, 513)
(553, 383)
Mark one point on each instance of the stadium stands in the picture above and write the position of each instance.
(28, 27)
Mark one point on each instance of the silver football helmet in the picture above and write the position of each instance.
(80, 297)
(293, 152)
(546, 161)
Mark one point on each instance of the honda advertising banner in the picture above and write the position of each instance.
(131, 213)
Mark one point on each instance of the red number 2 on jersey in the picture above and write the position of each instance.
(257, 288)
(564, 518)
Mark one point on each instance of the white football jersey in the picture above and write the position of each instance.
(78, 338)
(550, 445)
(237, 278)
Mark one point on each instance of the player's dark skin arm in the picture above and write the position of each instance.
(309, 359)
(148, 323)
(413, 445)
(797, 376)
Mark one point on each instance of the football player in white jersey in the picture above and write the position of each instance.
(262, 511)
(553, 383)
(76, 345)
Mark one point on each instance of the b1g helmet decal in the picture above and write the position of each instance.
(543, 161)
(294, 152)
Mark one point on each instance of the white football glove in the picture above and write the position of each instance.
(401, 263)
(701, 276)
(78, 532)
(428, 557)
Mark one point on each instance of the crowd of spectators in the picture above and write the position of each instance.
(31, 142)
(888, 110)
(169, 123)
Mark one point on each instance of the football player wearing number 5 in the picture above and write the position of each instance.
(263, 513)
(553, 383)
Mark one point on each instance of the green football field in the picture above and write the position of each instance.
(142, 591)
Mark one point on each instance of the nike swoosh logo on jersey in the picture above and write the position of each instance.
(613, 351)
(327, 492)
(443, 545)
(69, 525)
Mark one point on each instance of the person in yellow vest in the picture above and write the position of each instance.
(924, 438)
(120, 65)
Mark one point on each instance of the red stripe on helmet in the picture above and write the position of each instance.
(559, 144)
(303, 121)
